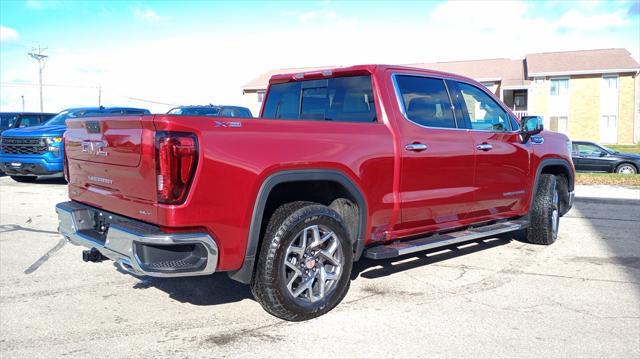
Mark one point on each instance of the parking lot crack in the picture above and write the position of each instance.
(32, 268)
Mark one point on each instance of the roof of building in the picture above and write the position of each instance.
(581, 62)
(511, 73)
(261, 82)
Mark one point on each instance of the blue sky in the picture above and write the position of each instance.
(204, 51)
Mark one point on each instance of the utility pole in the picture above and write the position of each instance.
(22, 96)
(99, 95)
(40, 57)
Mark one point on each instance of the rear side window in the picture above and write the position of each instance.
(344, 99)
(426, 101)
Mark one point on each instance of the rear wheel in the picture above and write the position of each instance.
(305, 262)
(544, 214)
(626, 169)
(24, 179)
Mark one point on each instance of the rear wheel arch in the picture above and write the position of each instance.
(342, 195)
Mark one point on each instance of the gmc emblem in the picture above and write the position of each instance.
(96, 148)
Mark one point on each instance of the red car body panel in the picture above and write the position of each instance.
(406, 193)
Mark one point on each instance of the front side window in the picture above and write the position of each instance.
(344, 99)
(426, 101)
(587, 149)
(482, 111)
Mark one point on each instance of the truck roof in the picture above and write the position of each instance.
(357, 70)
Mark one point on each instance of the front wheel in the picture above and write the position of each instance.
(626, 169)
(305, 262)
(544, 214)
(24, 179)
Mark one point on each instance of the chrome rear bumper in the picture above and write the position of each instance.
(137, 247)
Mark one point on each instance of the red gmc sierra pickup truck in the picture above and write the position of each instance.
(365, 161)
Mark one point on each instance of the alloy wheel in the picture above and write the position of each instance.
(313, 263)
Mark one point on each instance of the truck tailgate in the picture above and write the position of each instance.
(111, 162)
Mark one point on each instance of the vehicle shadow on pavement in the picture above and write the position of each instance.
(213, 289)
(370, 269)
(617, 223)
(51, 180)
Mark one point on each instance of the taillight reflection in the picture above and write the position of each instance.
(176, 161)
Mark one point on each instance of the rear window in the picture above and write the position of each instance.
(195, 111)
(344, 99)
(235, 112)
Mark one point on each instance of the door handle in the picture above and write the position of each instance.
(484, 147)
(415, 147)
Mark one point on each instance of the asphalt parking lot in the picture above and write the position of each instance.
(496, 298)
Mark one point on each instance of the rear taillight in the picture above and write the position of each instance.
(176, 161)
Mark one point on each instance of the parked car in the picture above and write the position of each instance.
(594, 157)
(365, 161)
(211, 110)
(28, 152)
(10, 120)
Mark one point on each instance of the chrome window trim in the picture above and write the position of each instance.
(404, 112)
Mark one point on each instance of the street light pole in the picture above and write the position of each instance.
(40, 57)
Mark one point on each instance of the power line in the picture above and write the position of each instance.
(100, 89)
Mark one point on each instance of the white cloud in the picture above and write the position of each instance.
(8, 34)
(318, 15)
(146, 15)
(42, 4)
(203, 74)
(313, 15)
(575, 20)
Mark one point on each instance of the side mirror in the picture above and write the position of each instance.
(530, 125)
(603, 154)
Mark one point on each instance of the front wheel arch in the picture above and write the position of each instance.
(557, 167)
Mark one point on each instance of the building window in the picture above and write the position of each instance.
(559, 87)
(610, 82)
(260, 96)
(559, 124)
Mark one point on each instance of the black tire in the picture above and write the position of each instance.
(269, 284)
(542, 229)
(24, 179)
(626, 168)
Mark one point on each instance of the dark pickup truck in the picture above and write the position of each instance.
(367, 161)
